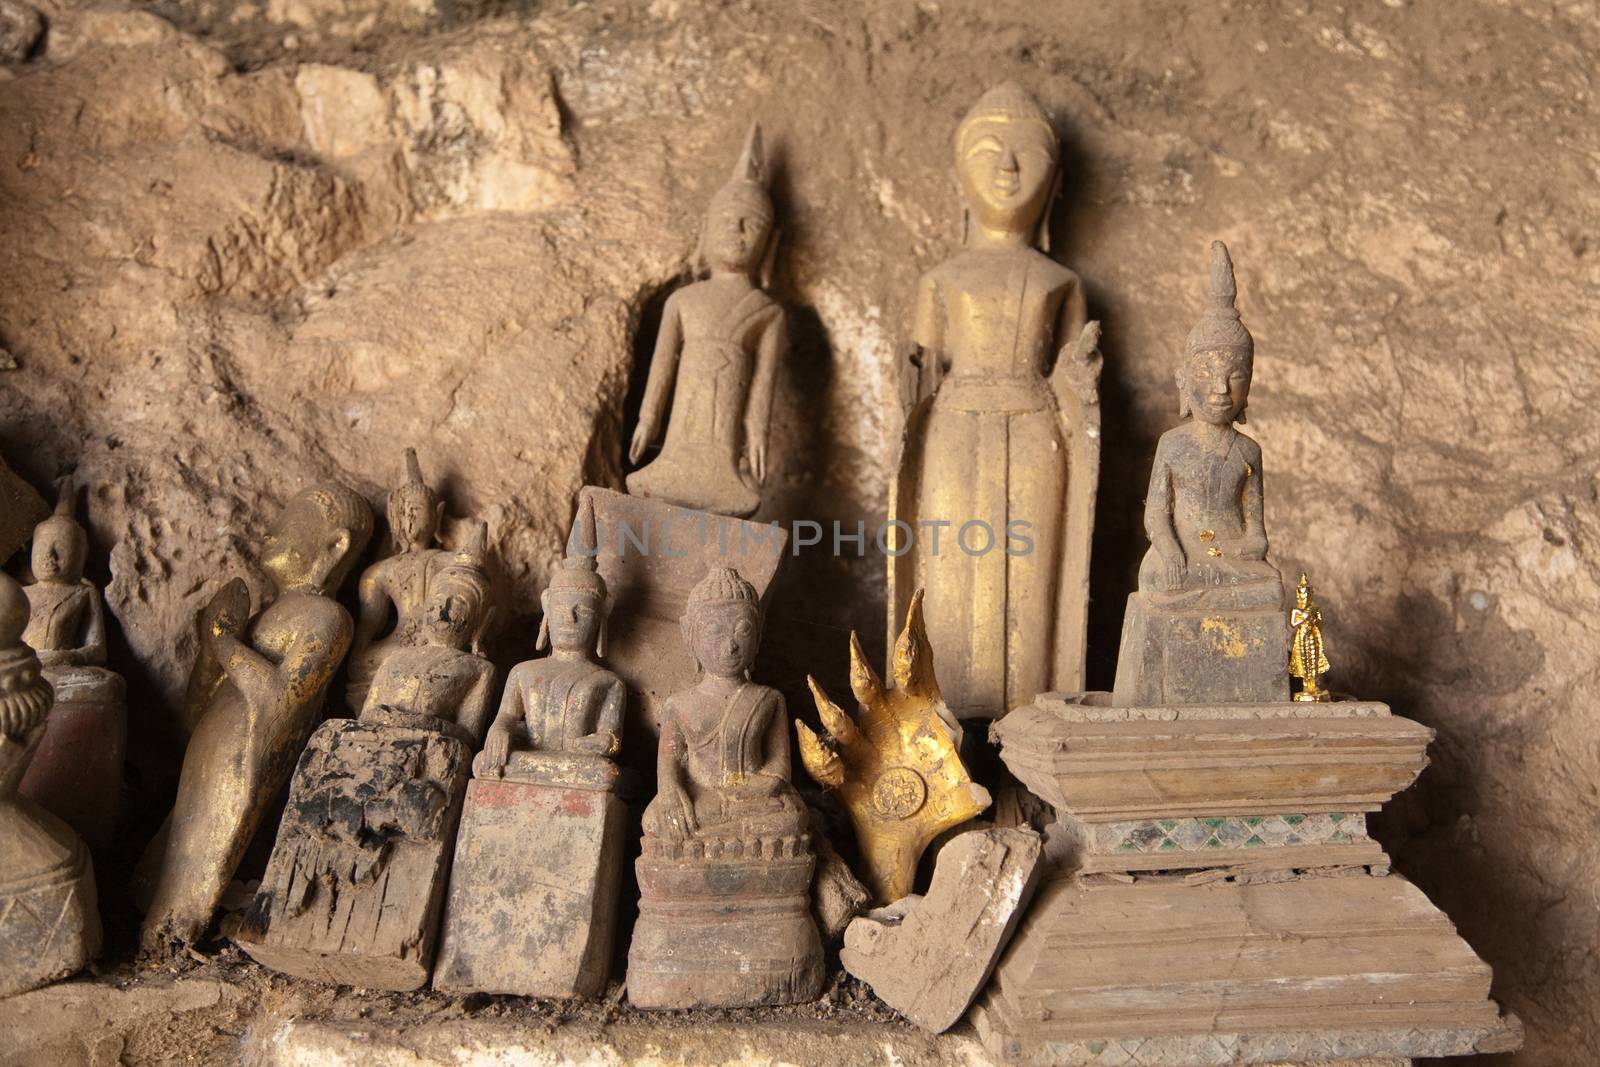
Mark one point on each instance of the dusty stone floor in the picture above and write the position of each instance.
(247, 242)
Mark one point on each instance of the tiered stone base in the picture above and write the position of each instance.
(1173, 655)
(532, 905)
(725, 932)
(1168, 974)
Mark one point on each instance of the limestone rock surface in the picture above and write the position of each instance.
(247, 243)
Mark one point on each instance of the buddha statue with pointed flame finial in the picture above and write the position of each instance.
(77, 771)
(397, 587)
(998, 467)
(716, 359)
(542, 829)
(1206, 623)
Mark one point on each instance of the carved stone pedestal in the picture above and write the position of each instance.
(354, 888)
(725, 931)
(1218, 899)
(532, 907)
(49, 923)
(76, 773)
(1173, 654)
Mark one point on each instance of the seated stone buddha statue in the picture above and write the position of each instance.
(1206, 623)
(725, 871)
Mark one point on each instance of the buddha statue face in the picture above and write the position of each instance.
(414, 516)
(1007, 169)
(307, 549)
(455, 608)
(59, 550)
(724, 636)
(737, 228)
(573, 618)
(1214, 385)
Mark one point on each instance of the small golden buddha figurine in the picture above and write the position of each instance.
(1308, 660)
(397, 587)
(255, 694)
(1004, 428)
(49, 926)
(353, 889)
(542, 829)
(560, 720)
(715, 362)
(726, 865)
(1206, 624)
(77, 771)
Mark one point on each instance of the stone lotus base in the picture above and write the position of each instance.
(726, 932)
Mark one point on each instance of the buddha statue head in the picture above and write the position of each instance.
(722, 623)
(60, 546)
(415, 511)
(317, 539)
(1214, 378)
(458, 596)
(738, 224)
(1007, 158)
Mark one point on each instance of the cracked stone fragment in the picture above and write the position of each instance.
(927, 957)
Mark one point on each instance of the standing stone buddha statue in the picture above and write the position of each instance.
(715, 362)
(1002, 436)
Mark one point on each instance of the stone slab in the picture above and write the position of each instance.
(927, 957)
(1181, 656)
(532, 903)
(651, 555)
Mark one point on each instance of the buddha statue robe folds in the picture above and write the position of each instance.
(725, 873)
(996, 484)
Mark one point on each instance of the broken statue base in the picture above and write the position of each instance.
(532, 905)
(49, 921)
(354, 888)
(1218, 899)
(725, 925)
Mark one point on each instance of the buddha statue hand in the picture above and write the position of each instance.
(677, 814)
(1174, 568)
(897, 766)
(756, 456)
(496, 748)
(644, 435)
(1253, 548)
(604, 743)
(227, 612)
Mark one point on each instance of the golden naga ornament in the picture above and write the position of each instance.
(1308, 660)
(897, 766)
